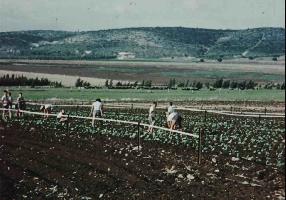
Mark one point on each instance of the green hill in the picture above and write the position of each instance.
(144, 42)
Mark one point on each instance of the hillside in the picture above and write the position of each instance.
(144, 42)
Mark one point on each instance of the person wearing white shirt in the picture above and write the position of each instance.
(151, 116)
(96, 110)
(5, 104)
(62, 117)
(174, 120)
(171, 108)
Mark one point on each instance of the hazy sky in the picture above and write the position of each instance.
(105, 14)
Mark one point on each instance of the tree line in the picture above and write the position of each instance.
(20, 80)
(195, 85)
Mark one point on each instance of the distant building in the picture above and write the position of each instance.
(125, 55)
(87, 52)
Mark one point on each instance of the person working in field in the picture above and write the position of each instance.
(46, 109)
(21, 104)
(10, 104)
(174, 121)
(96, 110)
(5, 104)
(151, 117)
(62, 117)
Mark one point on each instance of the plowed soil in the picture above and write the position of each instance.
(40, 164)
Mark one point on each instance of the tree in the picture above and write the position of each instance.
(282, 86)
(233, 85)
(107, 83)
(226, 84)
(135, 84)
(118, 84)
(219, 59)
(218, 83)
(250, 85)
(78, 82)
(242, 85)
(181, 84)
(148, 83)
(187, 83)
(199, 85)
(111, 83)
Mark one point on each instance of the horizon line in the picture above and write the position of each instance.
(107, 29)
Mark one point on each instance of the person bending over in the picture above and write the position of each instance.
(46, 109)
(175, 121)
(62, 117)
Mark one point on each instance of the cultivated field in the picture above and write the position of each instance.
(243, 157)
(242, 149)
(159, 72)
(198, 97)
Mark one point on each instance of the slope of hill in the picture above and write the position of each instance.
(144, 42)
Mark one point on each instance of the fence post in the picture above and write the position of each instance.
(265, 110)
(68, 128)
(205, 118)
(231, 109)
(200, 147)
(138, 135)
(259, 118)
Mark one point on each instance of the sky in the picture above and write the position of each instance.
(83, 15)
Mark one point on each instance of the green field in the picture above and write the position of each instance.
(148, 95)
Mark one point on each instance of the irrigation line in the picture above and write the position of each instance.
(104, 119)
(227, 113)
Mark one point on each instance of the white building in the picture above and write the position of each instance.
(125, 55)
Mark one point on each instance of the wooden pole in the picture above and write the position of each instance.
(138, 135)
(200, 148)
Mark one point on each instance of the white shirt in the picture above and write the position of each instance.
(152, 111)
(171, 109)
(48, 106)
(5, 100)
(172, 116)
(60, 115)
(97, 106)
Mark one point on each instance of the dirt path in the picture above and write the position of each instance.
(45, 165)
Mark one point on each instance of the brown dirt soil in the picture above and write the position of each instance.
(40, 164)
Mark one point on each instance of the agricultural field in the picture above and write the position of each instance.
(74, 94)
(242, 157)
(158, 71)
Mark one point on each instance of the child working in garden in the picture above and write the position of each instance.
(96, 110)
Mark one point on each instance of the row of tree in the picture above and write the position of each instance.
(16, 80)
(173, 83)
